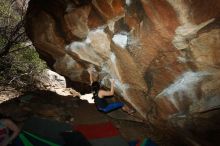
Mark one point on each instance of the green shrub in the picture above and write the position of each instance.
(18, 60)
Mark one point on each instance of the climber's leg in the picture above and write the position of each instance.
(112, 106)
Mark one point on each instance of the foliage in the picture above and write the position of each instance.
(18, 68)
(19, 61)
(12, 30)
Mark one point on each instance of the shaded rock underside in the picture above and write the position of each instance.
(77, 112)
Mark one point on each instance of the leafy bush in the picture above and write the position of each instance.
(19, 61)
(18, 68)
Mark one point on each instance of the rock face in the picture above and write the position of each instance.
(8, 93)
(51, 81)
(163, 54)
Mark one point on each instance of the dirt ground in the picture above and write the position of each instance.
(75, 111)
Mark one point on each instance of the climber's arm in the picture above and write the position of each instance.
(103, 93)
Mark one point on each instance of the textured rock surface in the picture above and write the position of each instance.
(8, 93)
(163, 54)
(51, 81)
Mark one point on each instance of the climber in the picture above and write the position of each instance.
(8, 131)
(100, 94)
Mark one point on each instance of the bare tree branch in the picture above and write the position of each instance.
(12, 34)
(16, 77)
